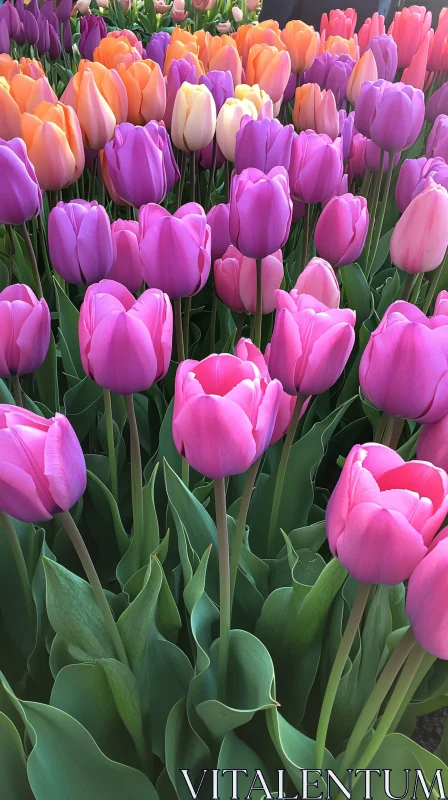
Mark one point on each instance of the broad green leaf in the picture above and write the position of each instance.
(382, 251)
(47, 378)
(358, 293)
(81, 406)
(184, 750)
(139, 551)
(295, 750)
(17, 609)
(236, 754)
(170, 669)
(68, 323)
(14, 779)
(136, 623)
(122, 539)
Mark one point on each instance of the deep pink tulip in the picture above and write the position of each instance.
(384, 513)
(80, 241)
(42, 468)
(218, 219)
(420, 237)
(440, 35)
(339, 23)
(125, 343)
(341, 229)
(426, 605)
(372, 28)
(441, 306)
(316, 167)
(260, 211)
(236, 281)
(404, 368)
(408, 28)
(391, 114)
(319, 280)
(413, 175)
(224, 414)
(432, 444)
(175, 249)
(437, 142)
(310, 343)
(127, 267)
(24, 330)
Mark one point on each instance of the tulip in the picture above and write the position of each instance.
(437, 103)
(310, 344)
(5, 42)
(224, 57)
(385, 53)
(420, 237)
(25, 331)
(43, 42)
(237, 14)
(43, 470)
(341, 229)
(141, 164)
(318, 279)
(383, 514)
(8, 67)
(425, 600)
(263, 144)
(203, 5)
(302, 42)
(10, 115)
(157, 47)
(54, 142)
(193, 122)
(390, 114)
(220, 84)
(93, 29)
(258, 97)
(372, 28)
(169, 240)
(338, 46)
(250, 35)
(224, 27)
(30, 29)
(205, 158)
(178, 13)
(316, 167)
(108, 182)
(181, 44)
(218, 219)
(129, 35)
(431, 444)
(8, 13)
(80, 241)
(127, 267)
(372, 155)
(364, 70)
(30, 67)
(316, 110)
(251, 5)
(81, 6)
(161, 8)
(236, 281)
(146, 91)
(112, 51)
(413, 176)
(408, 29)
(339, 23)
(21, 196)
(440, 36)
(330, 72)
(224, 414)
(203, 41)
(64, 10)
(437, 142)
(404, 368)
(270, 68)
(228, 124)
(180, 72)
(260, 212)
(357, 160)
(415, 73)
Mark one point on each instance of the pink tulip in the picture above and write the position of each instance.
(426, 605)
(441, 306)
(415, 73)
(384, 513)
(310, 344)
(408, 29)
(440, 36)
(178, 13)
(341, 229)
(373, 26)
(224, 27)
(125, 343)
(24, 330)
(339, 23)
(236, 281)
(318, 279)
(224, 414)
(237, 14)
(127, 267)
(42, 468)
(404, 368)
(161, 8)
(432, 443)
(420, 237)
(251, 5)
(175, 249)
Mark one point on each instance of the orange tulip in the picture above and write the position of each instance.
(302, 42)
(203, 39)
(223, 55)
(53, 138)
(270, 68)
(8, 67)
(26, 66)
(316, 110)
(32, 68)
(99, 98)
(258, 97)
(130, 36)
(146, 90)
(257, 34)
(181, 42)
(112, 51)
(364, 70)
(29, 93)
(9, 113)
(338, 46)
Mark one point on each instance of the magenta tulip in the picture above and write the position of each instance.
(441, 306)
(80, 241)
(341, 229)
(218, 218)
(316, 167)
(420, 237)
(260, 211)
(318, 279)
(24, 330)
(127, 267)
(426, 605)
(236, 281)
(432, 444)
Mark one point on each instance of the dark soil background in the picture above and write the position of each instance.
(429, 730)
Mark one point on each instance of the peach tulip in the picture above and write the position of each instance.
(338, 46)
(9, 113)
(228, 124)
(28, 93)
(53, 138)
(302, 42)
(182, 42)
(316, 110)
(112, 51)
(270, 69)
(364, 70)
(8, 67)
(146, 91)
(223, 55)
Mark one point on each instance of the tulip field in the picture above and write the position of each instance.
(223, 402)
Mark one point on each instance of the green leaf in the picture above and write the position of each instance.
(236, 754)
(382, 251)
(392, 291)
(82, 402)
(184, 750)
(47, 378)
(12, 762)
(295, 750)
(168, 667)
(14, 613)
(22, 261)
(121, 536)
(358, 293)
(136, 623)
(139, 551)
(5, 394)
(68, 323)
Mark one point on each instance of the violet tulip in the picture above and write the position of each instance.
(437, 142)
(218, 218)
(220, 84)
(30, 29)
(21, 196)
(263, 144)
(341, 229)
(80, 241)
(175, 249)
(391, 114)
(224, 414)
(384, 513)
(180, 71)
(93, 29)
(310, 344)
(404, 368)
(125, 343)
(420, 237)
(127, 266)
(236, 281)
(9, 13)
(437, 103)
(260, 211)
(316, 167)
(319, 280)
(24, 330)
(413, 175)
(157, 47)
(330, 72)
(42, 469)
(426, 599)
(385, 53)
(372, 155)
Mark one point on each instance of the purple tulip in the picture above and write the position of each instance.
(220, 84)
(437, 103)
(341, 229)
(47, 12)
(373, 157)
(93, 29)
(11, 16)
(21, 196)
(80, 241)
(30, 28)
(181, 70)
(316, 167)
(5, 42)
(260, 211)
(64, 10)
(141, 163)
(204, 157)
(413, 176)
(20, 38)
(43, 42)
(157, 47)
(33, 6)
(357, 159)
(385, 53)
(219, 218)
(437, 142)
(330, 72)
(20, 8)
(54, 50)
(347, 134)
(263, 144)
(67, 36)
(391, 114)
(290, 90)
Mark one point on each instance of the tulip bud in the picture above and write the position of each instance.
(10, 16)
(263, 144)
(270, 68)
(180, 72)
(260, 211)
(318, 279)
(127, 267)
(315, 110)
(21, 196)
(357, 161)
(339, 46)
(425, 600)
(302, 42)
(415, 73)
(99, 98)
(54, 141)
(390, 114)
(30, 29)
(440, 36)
(193, 122)
(24, 331)
(178, 13)
(218, 219)
(236, 281)
(237, 14)
(80, 241)
(364, 70)
(341, 229)
(385, 53)
(437, 103)
(228, 124)
(316, 167)
(420, 237)
(146, 91)
(372, 28)
(114, 50)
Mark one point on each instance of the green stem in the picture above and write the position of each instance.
(43, 247)
(305, 237)
(178, 328)
(186, 326)
(372, 211)
(241, 526)
(17, 390)
(259, 309)
(192, 177)
(381, 427)
(185, 472)
(20, 563)
(181, 181)
(432, 287)
(382, 211)
(227, 180)
(211, 179)
(12, 252)
(32, 255)
(224, 586)
(111, 444)
(345, 646)
(423, 669)
(239, 328)
(92, 576)
(136, 469)
(281, 475)
(213, 319)
(409, 283)
(416, 289)
(365, 186)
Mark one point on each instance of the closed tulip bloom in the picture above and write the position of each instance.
(310, 344)
(357, 157)
(338, 46)
(43, 471)
(93, 29)
(413, 175)
(237, 14)
(30, 29)
(330, 72)
(391, 114)
(133, 40)
(228, 124)
(99, 98)
(223, 55)
(236, 281)
(10, 115)
(437, 142)
(339, 23)
(181, 71)
(441, 306)
(247, 36)
(432, 443)
(80, 241)
(54, 141)
(385, 53)
(224, 414)
(178, 13)
(409, 28)
(384, 513)
(169, 240)
(315, 110)
(302, 42)
(193, 123)
(372, 28)
(251, 5)
(341, 229)
(270, 68)
(420, 237)
(318, 279)
(127, 267)
(260, 211)
(220, 84)
(8, 67)
(218, 219)
(140, 163)
(415, 74)
(372, 156)
(258, 97)
(10, 16)
(440, 36)
(146, 91)
(25, 331)
(43, 42)
(437, 103)
(64, 10)
(181, 44)
(316, 167)
(28, 93)
(21, 195)
(426, 599)
(157, 47)
(364, 70)
(263, 144)
(112, 51)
